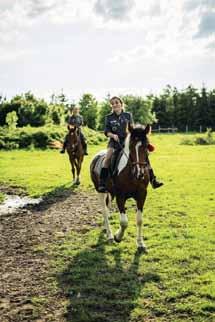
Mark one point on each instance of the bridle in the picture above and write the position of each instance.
(144, 165)
(75, 145)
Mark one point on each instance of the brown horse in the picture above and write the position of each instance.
(75, 151)
(130, 182)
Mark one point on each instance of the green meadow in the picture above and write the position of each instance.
(175, 280)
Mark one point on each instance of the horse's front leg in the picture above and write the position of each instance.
(123, 219)
(78, 170)
(139, 221)
(73, 169)
(105, 211)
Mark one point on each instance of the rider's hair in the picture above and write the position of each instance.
(119, 99)
(73, 107)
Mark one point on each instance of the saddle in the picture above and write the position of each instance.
(113, 169)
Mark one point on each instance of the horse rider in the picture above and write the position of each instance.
(75, 119)
(116, 125)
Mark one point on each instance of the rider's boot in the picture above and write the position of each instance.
(64, 145)
(103, 180)
(85, 149)
(154, 182)
(63, 150)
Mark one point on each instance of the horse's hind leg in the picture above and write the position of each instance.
(123, 219)
(105, 211)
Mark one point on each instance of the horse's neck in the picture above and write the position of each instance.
(74, 139)
(123, 162)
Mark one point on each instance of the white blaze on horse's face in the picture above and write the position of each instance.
(139, 167)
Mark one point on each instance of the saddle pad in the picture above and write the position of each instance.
(99, 161)
(121, 162)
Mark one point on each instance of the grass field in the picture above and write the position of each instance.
(40, 172)
(175, 281)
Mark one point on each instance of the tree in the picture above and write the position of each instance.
(140, 108)
(88, 109)
(211, 99)
(11, 120)
(203, 109)
(104, 109)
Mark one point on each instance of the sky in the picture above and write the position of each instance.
(105, 46)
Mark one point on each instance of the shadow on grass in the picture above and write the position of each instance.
(60, 193)
(100, 289)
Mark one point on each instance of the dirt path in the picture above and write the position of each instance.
(24, 267)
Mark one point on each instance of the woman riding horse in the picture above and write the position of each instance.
(76, 120)
(116, 125)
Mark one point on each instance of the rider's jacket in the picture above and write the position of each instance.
(118, 124)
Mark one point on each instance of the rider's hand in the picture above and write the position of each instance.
(115, 137)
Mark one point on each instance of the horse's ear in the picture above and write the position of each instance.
(130, 127)
(147, 129)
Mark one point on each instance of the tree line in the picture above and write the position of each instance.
(186, 109)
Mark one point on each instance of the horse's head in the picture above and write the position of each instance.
(73, 137)
(138, 150)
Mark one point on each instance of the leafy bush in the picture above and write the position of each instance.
(187, 141)
(11, 145)
(11, 120)
(25, 139)
(200, 140)
(41, 137)
(2, 144)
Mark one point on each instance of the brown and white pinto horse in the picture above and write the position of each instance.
(131, 182)
(75, 151)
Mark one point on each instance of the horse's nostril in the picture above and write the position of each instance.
(141, 176)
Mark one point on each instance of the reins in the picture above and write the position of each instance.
(128, 158)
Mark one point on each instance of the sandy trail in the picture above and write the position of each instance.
(24, 267)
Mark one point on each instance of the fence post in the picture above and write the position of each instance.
(186, 128)
(200, 129)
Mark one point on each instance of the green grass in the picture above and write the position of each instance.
(41, 172)
(2, 197)
(175, 281)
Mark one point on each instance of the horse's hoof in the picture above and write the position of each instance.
(116, 240)
(110, 241)
(142, 249)
(78, 182)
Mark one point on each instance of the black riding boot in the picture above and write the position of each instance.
(85, 148)
(84, 143)
(64, 147)
(103, 180)
(155, 184)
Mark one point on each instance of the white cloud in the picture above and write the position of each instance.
(198, 4)
(12, 22)
(150, 41)
(112, 9)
